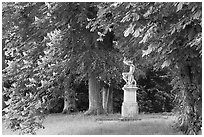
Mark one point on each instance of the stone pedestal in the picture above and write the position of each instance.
(130, 106)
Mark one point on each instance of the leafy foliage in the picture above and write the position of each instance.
(154, 94)
(165, 35)
(48, 42)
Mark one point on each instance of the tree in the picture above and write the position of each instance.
(69, 95)
(107, 96)
(3, 66)
(49, 42)
(154, 94)
(166, 35)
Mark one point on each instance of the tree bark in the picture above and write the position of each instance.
(69, 97)
(3, 67)
(107, 100)
(110, 100)
(105, 93)
(3, 54)
(67, 102)
(95, 101)
(192, 98)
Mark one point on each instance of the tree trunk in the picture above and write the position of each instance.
(105, 92)
(3, 67)
(107, 100)
(192, 98)
(110, 100)
(95, 101)
(67, 102)
(3, 55)
(69, 97)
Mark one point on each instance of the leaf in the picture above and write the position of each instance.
(166, 63)
(8, 102)
(179, 6)
(197, 15)
(136, 17)
(129, 30)
(174, 29)
(159, 49)
(126, 18)
(136, 33)
(148, 51)
(148, 12)
(145, 38)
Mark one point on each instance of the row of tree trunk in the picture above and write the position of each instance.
(100, 97)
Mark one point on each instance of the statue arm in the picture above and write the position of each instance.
(127, 62)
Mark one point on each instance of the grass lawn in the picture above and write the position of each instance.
(78, 124)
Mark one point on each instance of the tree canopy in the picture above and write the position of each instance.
(165, 35)
(48, 42)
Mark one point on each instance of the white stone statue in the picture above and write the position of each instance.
(128, 76)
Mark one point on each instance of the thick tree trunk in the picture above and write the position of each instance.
(69, 98)
(192, 98)
(95, 101)
(110, 100)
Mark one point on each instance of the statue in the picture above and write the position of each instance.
(128, 76)
(129, 105)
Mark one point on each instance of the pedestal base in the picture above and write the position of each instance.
(130, 109)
